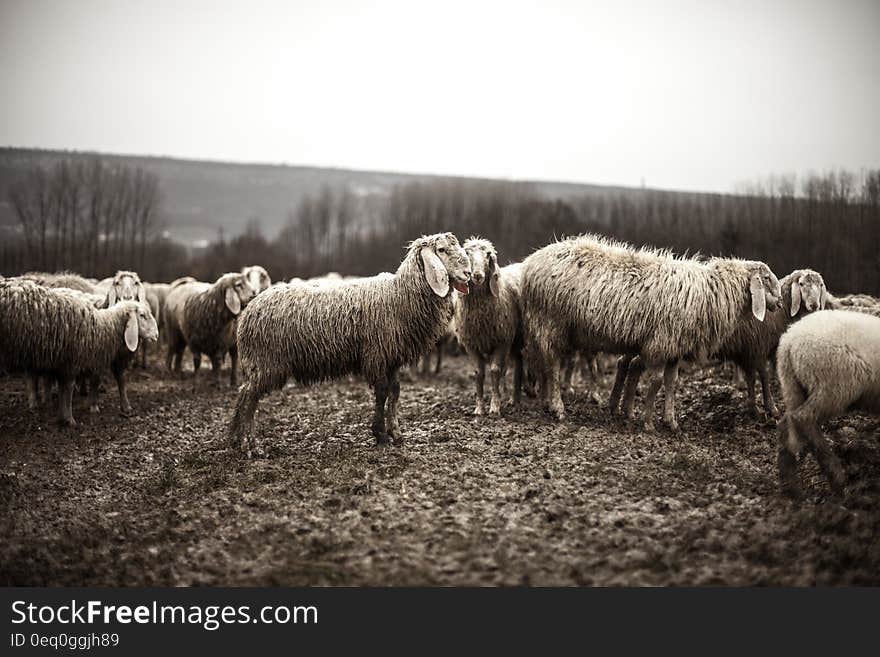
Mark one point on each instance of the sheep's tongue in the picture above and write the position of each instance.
(462, 288)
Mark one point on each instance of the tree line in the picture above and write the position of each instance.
(93, 218)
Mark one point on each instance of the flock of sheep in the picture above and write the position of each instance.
(565, 302)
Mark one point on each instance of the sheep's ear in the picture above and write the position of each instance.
(111, 296)
(823, 298)
(232, 301)
(131, 332)
(795, 298)
(494, 275)
(759, 300)
(142, 293)
(435, 272)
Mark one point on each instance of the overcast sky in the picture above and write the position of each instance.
(689, 95)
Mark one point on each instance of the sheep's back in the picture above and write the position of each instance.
(620, 299)
(41, 330)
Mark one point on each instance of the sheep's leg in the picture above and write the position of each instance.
(33, 391)
(240, 429)
(786, 457)
(806, 419)
(94, 385)
(634, 372)
(65, 400)
(557, 408)
(748, 373)
(380, 390)
(670, 378)
(119, 375)
(479, 377)
(233, 372)
(591, 376)
(655, 381)
(197, 364)
(568, 373)
(769, 404)
(497, 369)
(517, 378)
(392, 423)
(216, 364)
(439, 363)
(619, 379)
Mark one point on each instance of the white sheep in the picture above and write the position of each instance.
(370, 327)
(828, 363)
(488, 323)
(54, 333)
(202, 316)
(593, 293)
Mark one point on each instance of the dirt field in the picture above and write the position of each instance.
(159, 499)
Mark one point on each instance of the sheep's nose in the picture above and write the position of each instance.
(467, 274)
(478, 277)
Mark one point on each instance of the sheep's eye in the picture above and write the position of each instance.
(441, 249)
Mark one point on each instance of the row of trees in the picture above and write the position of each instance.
(82, 215)
(828, 222)
(94, 218)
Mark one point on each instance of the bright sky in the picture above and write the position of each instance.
(691, 95)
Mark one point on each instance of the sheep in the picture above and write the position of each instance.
(199, 315)
(487, 322)
(257, 277)
(369, 328)
(753, 343)
(593, 293)
(65, 279)
(828, 363)
(51, 332)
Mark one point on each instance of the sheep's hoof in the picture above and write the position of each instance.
(596, 399)
(94, 408)
(673, 427)
(399, 439)
(383, 439)
(649, 425)
(68, 422)
(126, 411)
(495, 409)
(479, 410)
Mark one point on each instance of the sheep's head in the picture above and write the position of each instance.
(807, 291)
(444, 263)
(139, 325)
(257, 277)
(236, 291)
(484, 262)
(126, 286)
(764, 289)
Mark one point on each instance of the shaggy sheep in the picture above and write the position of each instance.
(827, 363)
(592, 293)
(487, 322)
(257, 277)
(753, 343)
(371, 328)
(72, 336)
(65, 279)
(200, 316)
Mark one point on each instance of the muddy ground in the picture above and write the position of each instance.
(159, 499)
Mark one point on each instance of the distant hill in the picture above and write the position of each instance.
(200, 197)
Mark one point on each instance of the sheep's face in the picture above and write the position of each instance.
(139, 324)
(445, 263)
(126, 286)
(764, 288)
(484, 263)
(238, 292)
(807, 291)
(257, 277)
